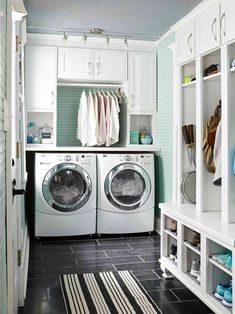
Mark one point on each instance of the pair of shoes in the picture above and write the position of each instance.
(173, 226)
(225, 258)
(195, 269)
(173, 252)
(196, 239)
(224, 292)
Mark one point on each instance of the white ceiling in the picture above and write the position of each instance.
(146, 19)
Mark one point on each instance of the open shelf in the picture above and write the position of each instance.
(220, 302)
(212, 77)
(193, 248)
(193, 278)
(171, 260)
(221, 266)
(172, 234)
(190, 84)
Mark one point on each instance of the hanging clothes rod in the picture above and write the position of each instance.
(90, 84)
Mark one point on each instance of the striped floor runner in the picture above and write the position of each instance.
(106, 293)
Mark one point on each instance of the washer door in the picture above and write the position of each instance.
(67, 187)
(127, 186)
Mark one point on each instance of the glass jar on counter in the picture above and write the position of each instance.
(46, 134)
(32, 133)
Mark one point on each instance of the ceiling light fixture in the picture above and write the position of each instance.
(65, 37)
(84, 37)
(96, 31)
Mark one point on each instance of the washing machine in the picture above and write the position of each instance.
(65, 194)
(125, 193)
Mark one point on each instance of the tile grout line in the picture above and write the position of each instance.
(141, 258)
(175, 295)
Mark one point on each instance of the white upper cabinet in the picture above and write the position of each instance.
(185, 42)
(227, 20)
(40, 77)
(88, 64)
(207, 29)
(142, 78)
(110, 65)
(75, 63)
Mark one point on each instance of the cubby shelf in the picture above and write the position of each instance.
(220, 266)
(212, 77)
(225, 308)
(172, 234)
(190, 84)
(193, 278)
(171, 260)
(193, 248)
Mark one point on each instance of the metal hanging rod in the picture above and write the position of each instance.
(90, 84)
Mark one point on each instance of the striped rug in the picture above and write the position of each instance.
(106, 293)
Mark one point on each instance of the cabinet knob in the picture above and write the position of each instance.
(52, 97)
(132, 100)
(89, 68)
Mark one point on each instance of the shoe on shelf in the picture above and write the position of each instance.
(220, 289)
(196, 238)
(195, 268)
(173, 252)
(229, 262)
(199, 275)
(223, 257)
(173, 226)
(227, 300)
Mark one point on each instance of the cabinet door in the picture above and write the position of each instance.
(185, 43)
(142, 87)
(227, 20)
(207, 29)
(110, 65)
(75, 63)
(40, 77)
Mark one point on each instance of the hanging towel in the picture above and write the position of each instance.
(82, 127)
(91, 136)
(217, 156)
(102, 121)
(114, 122)
(95, 100)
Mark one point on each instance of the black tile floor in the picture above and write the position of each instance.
(140, 253)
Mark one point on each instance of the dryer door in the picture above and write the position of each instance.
(127, 186)
(67, 187)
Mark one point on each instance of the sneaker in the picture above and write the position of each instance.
(173, 226)
(229, 262)
(195, 268)
(227, 300)
(195, 240)
(223, 257)
(199, 275)
(173, 252)
(220, 289)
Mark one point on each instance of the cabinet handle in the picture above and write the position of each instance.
(52, 97)
(213, 28)
(190, 42)
(222, 24)
(97, 68)
(132, 101)
(89, 67)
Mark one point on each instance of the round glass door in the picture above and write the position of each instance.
(127, 186)
(66, 187)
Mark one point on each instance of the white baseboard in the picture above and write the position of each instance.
(157, 225)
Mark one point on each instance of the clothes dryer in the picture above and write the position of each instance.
(125, 193)
(65, 194)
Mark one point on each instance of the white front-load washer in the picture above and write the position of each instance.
(125, 193)
(65, 194)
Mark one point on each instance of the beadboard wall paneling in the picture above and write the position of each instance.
(165, 120)
(67, 110)
(3, 59)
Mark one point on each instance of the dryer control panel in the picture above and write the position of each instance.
(141, 159)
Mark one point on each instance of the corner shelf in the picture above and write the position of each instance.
(220, 266)
(193, 248)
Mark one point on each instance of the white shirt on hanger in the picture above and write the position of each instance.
(107, 118)
(114, 121)
(102, 122)
(82, 127)
(91, 119)
(95, 99)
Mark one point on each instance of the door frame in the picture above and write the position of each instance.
(15, 12)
